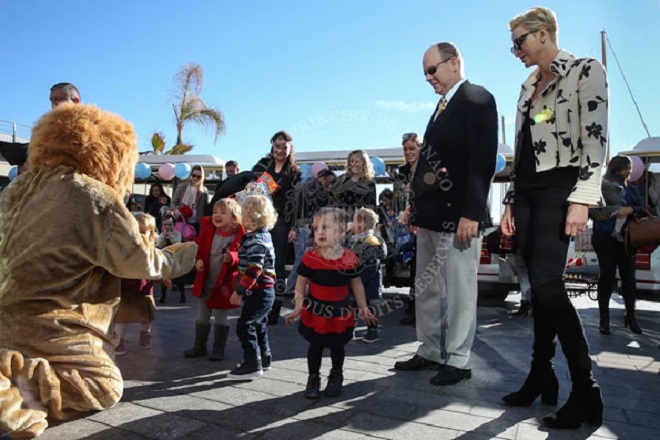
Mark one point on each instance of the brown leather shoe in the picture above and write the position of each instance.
(416, 363)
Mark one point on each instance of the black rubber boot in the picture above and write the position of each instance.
(313, 389)
(201, 338)
(335, 382)
(220, 335)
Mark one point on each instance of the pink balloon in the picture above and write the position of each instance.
(166, 171)
(318, 166)
(637, 168)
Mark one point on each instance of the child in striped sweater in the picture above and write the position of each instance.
(255, 287)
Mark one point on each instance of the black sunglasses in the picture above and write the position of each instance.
(433, 69)
(408, 136)
(518, 42)
(196, 176)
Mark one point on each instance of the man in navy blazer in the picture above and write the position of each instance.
(448, 205)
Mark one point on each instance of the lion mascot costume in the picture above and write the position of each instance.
(66, 239)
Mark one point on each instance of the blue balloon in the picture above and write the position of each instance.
(379, 165)
(182, 170)
(500, 164)
(142, 171)
(305, 172)
(13, 172)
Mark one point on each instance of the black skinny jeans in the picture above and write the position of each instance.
(540, 219)
(612, 255)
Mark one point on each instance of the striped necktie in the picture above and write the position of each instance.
(442, 104)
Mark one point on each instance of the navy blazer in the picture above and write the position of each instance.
(457, 162)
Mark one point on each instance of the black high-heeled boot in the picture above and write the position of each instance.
(540, 381)
(585, 404)
(629, 315)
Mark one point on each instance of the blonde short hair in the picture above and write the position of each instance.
(368, 167)
(366, 216)
(260, 210)
(536, 18)
(232, 206)
(149, 221)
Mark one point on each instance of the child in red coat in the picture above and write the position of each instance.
(217, 269)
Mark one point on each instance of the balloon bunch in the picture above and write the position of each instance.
(166, 171)
(379, 165)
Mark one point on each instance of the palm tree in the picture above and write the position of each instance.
(189, 107)
(158, 145)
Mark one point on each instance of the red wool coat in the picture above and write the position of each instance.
(226, 282)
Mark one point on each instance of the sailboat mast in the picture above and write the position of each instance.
(603, 38)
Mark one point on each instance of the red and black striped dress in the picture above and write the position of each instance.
(327, 318)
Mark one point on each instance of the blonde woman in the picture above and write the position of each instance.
(356, 188)
(561, 121)
(192, 193)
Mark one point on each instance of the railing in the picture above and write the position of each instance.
(15, 132)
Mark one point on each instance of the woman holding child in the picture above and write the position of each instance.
(622, 203)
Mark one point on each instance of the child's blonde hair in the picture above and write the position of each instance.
(232, 206)
(260, 210)
(149, 222)
(366, 216)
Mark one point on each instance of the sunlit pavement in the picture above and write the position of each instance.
(169, 397)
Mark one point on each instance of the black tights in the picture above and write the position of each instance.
(315, 354)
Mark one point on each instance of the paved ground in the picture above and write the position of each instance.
(169, 397)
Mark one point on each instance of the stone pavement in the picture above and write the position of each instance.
(169, 397)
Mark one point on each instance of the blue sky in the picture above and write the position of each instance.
(337, 74)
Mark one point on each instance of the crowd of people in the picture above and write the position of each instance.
(431, 222)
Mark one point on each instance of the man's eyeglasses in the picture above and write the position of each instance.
(409, 136)
(431, 70)
(196, 176)
(518, 42)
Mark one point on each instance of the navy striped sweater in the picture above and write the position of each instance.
(256, 266)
